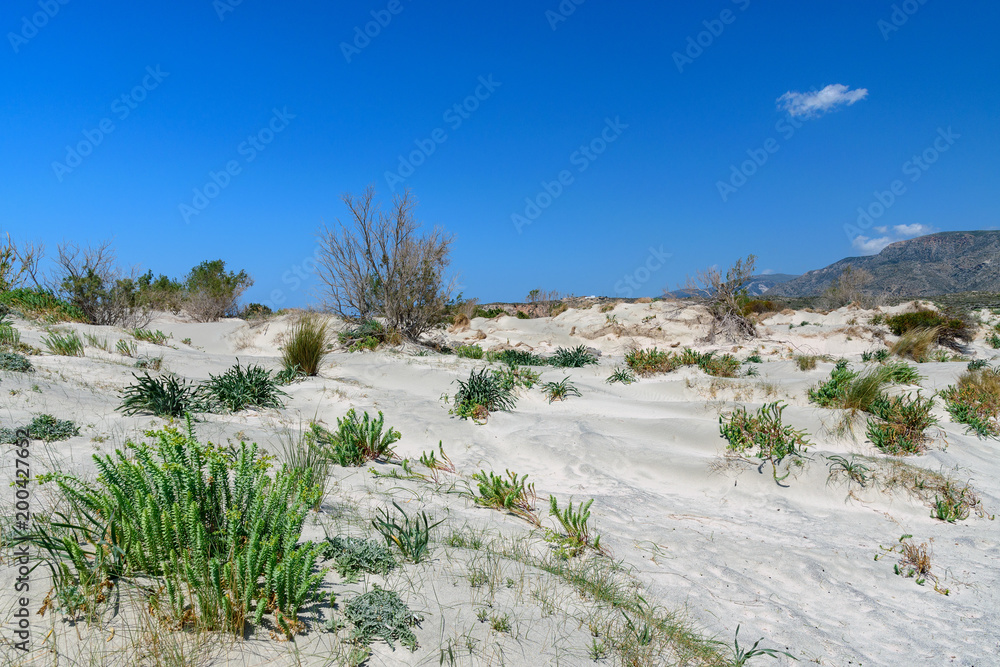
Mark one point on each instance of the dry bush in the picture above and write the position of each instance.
(91, 280)
(19, 264)
(379, 266)
(726, 299)
(849, 288)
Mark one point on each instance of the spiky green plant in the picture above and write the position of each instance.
(9, 336)
(241, 388)
(880, 355)
(994, 341)
(576, 533)
(975, 401)
(155, 337)
(163, 396)
(482, 393)
(623, 375)
(515, 358)
(762, 435)
(508, 494)
(576, 357)
(898, 423)
(853, 469)
(126, 348)
(357, 440)
(516, 377)
(559, 391)
(65, 345)
(307, 345)
(651, 362)
(210, 529)
(410, 535)
(741, 656)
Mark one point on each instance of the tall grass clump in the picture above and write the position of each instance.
(559, 391)
(241, 388)
(851, 390)
(9, 336)
(975, 401)
(482, 393)
(300, 453)
(209, 536)
(155, 337)
(576, 357)
(357, 440)
(949, 329)
(164, 396)
(650, 362)
(916, 344)
(762, 435)
(65, 345)
(653, 361)
(307, 344)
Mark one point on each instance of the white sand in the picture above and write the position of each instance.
(795, 565)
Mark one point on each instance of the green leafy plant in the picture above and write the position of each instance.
(215, 535)
(410, 535)
(852, 469)
(650, 362)
(515, 358)
(369, 335)
(68, 345)
(469, 352)
(155, 337)
(508, 494)
(880, 355)
(357, 440)
(949, 329)
(306, 346)
(955, 503)
(576, 357)
(9, 336)
(576, 534)
(163, 396)
(741, 655)
(754, 358)
(213, 292)
(352, 556)
(978, 364)
(898, 423)
(993, 340)
(623, 375)
(806, 362)
(482, 393)
(559, 391)
(975, 401)
(241, 388)
(437, 465)
(43, 427)
(381, 614)
(126, 348)
(516, 377)
(762, 435)
(12, 361)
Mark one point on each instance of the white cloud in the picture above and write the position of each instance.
(816, 103)
(872, 246)
(768, 272)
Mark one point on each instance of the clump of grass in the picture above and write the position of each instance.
(351, 556)
(754, 358)
(68, 345)
(12, 361)
(975, 401)
(576, 535)
(164, 396)
(650, 362)
(993, 340)
(208, 536)
(42, 427)
(357, 440)
(854, 470)
(900, 372)
(762, 435)
(307, 346)
(469, 352)
(849, 390)
(482, 393)
(623, 375)
(515, 358)
(741, 655)
(126, 348)
(806, 362)
(369, 335)
(898, 424)
(9, 336)
(149, 363)
(916, 344)
(302, 455)
(508, 494)
(914, 562)
(381, 614)
(516, 377)
(948, 330)
(576, 357)
(880, 355)
(410, 535)
(146, 335)
(241, 388)
(976, 365)
(559, 391)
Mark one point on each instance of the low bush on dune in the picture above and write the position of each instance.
(482, 393)
(357, 440)
(241, 388)
(758, 307)
(515, 358)
(14, 362)
(654, 361)
(576, 357)
(208, 536)
(469, 352)
(975, 401)
(516, 377)
(369, 335)
(40, 303)
(762, 435)
(42, 427)
(381, 614)
(353, 556)
(651, 362)
(897, 424)
(164, 396)
(307, 344)
(851, 390)
(950, 328)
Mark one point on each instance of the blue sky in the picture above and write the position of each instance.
(622, 123)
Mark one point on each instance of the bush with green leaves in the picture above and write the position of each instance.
(576, 357)
(381, 614)
(306, 345)
(43, 427)
(559, 391)
(951, 328)
(411, 535)
(576, 535)
(213, 292)
(762, 435)
(357, 440)
(898, 423)
(207, 534)
(40, 303)
(469, 352)
(163, 396)
(508, 494)
(352, 556)
(516, 358)
(240, 388)
(368, 335)
(623, 375)
(12, 361)
(975, 401)
(65, 345)
(482, 393)
(651, 362)
(516, 377)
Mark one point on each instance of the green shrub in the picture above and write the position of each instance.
(754, 358)
(515, 358)
(975, 401)
(164, 396)
(994, 341)
(900, 372)
(879, 355)
(950, 329)
(576, 357)
(977, 365)
(12, 361)
(469, 351)
(307, 345)
(559, 391)
(651, 362)
(576, 536)
(725, 365)
(806, 362)
(482, 393)
(40, 303)
(238, 389)
(380, 614)
(898, 423)
(155, 337)
(758, 306)
(68, 345)
(516, 377)
(762, 435)
(489, 313)
(43, 427)
(255, 311)
(352, 556)
(357, 440)
(369, 335)
(508, 494)
(521, 315)
(213, 292)
(210, 537)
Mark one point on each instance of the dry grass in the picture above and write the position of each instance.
(916, 344)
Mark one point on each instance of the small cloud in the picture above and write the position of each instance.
(817, 103)
(873, 246)
(768, 272)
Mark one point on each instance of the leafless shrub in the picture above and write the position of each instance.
(379, 266)
(91, 279)
(849, 288)
(18, 265)
(726, 298)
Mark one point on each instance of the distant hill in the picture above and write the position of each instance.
(943, 263)
(758, 285)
